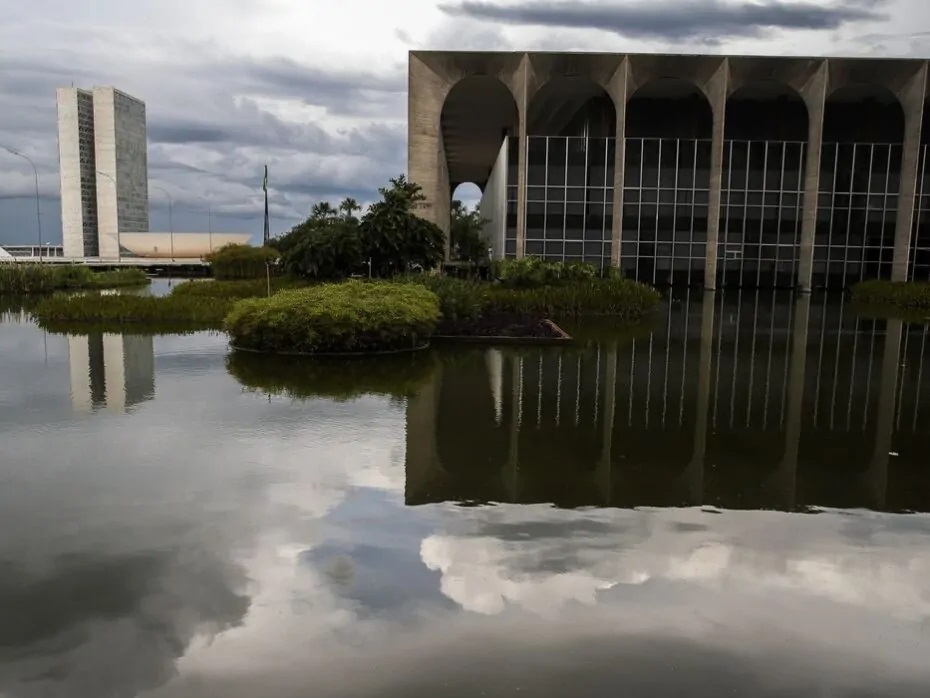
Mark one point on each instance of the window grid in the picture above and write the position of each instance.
(665, 204)
(856, 213)
(761, 212)
(569, 195)
(919, 262)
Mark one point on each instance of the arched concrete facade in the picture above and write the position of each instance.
(433, 74)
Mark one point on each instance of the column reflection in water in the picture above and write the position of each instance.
(734, 400)
(110, 371)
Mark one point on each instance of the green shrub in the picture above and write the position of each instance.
(235, 290)
(906, 295)
(45, 278)
(61, 311)
(241, 261)
(353, 316)
(326, 251)
(301, 377)
(533, 272)
(624, 299)
(459, 299)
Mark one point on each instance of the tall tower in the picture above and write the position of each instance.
(104, 169)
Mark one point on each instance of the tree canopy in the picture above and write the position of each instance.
(334, 242)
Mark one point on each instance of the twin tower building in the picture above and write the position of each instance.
(104, 170)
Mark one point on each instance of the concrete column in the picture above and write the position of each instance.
(912, 101)
(426, 156)
(788, 468)
(717, 93)
(815, 97)
(695, 472)
(605, 464)
(877, 475)
(523, 88)
(619, 92)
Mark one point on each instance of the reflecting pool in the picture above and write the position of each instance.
(730, 500)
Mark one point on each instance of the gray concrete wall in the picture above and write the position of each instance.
(122, 167)
(493, 205)
(434, 73)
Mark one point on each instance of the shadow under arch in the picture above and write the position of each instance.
(479, 112)
(666, 183)
(571, 144)
(863, 132)
(766, 132)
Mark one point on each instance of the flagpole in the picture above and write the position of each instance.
(267, 235)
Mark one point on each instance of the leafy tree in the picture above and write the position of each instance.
(467, 234)
(326, 252)
(396, 239)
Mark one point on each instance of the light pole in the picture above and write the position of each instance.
(119, 247)
(36, 173)
(209, 219)
(170, 216)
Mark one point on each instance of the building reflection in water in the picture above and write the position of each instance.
(110, 371)
(739, 400)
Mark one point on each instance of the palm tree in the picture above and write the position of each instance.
(348, 208)
(323, 211)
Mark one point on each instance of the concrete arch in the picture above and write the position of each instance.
(863, 112)
(478, 113)
(571, 105)
(669, 108)
(767, 110)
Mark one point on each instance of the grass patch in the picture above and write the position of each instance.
(60, 312)
(235, 290)
(21, 279)
(332, 378)
(905, 295)
(348, 317)
(461, 299)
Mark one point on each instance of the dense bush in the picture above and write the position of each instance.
(241, 261)
(331, 377)
(349, 317)
(395, 238)
(533, 272)
(909, 296)
(621, 298)
(466, 234)
(114, 310)
(235, 290)
(461, 299)
(45, 278)
(327, 252)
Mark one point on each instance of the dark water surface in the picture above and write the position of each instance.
(728, 502)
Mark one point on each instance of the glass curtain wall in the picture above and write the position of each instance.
(569, 198)
(859, 177)
(666, 183)
(665, 193)
(760, 221)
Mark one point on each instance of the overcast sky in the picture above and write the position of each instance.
(317, 89)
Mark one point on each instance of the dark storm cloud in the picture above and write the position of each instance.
(672, 19)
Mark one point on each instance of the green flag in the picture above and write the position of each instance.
(265, 181)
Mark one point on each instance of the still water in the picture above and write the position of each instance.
(726, 502)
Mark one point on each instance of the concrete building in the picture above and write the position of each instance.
(737, 170)
(104, 169)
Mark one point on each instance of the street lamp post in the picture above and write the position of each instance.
(119, 246)
(170, 216)
(36, 173)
